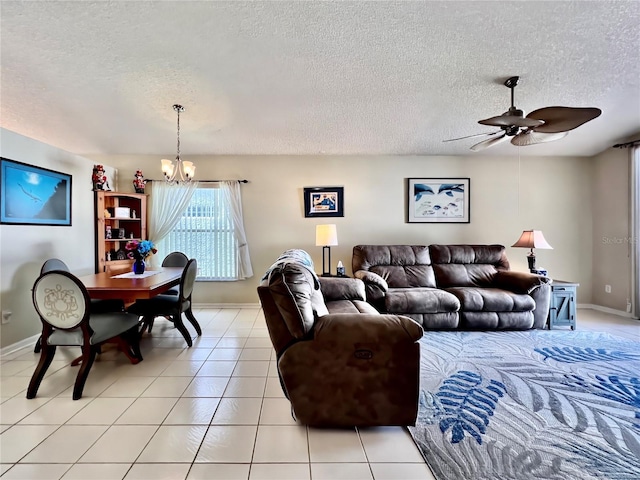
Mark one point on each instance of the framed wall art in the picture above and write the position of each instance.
(32, 195)
(324, 201)
(438, 200)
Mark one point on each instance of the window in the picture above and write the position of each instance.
(205, 231)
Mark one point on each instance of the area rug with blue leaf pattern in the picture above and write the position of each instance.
(529, 405)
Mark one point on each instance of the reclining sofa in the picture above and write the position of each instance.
(340, 362)
(452, 286)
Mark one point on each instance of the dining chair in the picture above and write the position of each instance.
(174, 259)
(171, 306)
(97, 306)
(63, 305)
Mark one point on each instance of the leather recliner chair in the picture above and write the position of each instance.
(340, 362)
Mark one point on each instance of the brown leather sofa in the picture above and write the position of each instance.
(340, 362)
(452, 286)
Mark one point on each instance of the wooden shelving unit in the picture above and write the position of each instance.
(109, 213)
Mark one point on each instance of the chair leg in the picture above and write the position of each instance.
(46, 356)
(194, 322)
(132, 340)
(145, 324)
(38, 345)
(177, 321)
(88, 356)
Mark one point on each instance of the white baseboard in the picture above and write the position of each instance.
(612, 311)
(14, 347)
(227, 305)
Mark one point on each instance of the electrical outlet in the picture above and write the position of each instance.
(6, 316)
(607, 288)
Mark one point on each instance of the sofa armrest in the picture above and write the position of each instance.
(349, 328)
(338, 288)
(519, 282)
(373, 279)
(376, 288)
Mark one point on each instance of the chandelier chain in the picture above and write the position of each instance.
(179, 171)
(178, 109)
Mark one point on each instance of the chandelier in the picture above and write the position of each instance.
(178, 171)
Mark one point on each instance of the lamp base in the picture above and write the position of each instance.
(531, 259)
(326, 265)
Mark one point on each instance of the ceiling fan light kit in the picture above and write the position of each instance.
(540, 126)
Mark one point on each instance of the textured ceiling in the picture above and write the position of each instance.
(313, 77)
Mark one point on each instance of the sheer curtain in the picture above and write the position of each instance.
(167, 203)
(232, 195)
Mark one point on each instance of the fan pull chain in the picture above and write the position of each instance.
(518, 202)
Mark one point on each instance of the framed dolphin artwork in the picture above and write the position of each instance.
(438, 200)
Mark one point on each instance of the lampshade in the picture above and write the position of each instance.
(326, 235)
(532, 239)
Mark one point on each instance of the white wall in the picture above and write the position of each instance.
(611, 203)
(552, 194)
(23, 248)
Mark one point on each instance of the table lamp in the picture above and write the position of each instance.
(326, 236)
(532, 239)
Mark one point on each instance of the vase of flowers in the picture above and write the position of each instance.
(139, 250)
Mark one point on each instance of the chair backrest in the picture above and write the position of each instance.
(60, 299)
(53, 264)
(188, 278)
(287, 298)
(175, 259)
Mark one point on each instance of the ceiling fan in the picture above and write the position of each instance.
(540, 126)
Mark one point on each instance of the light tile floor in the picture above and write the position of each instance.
(212, 411)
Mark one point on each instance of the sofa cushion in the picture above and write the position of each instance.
(401, 266)
(465, 254)
(336, 288)
(420, 300)
(496, 320)
(351, 306)
(474, 299)
(467, 265)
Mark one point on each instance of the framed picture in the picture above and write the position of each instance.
(324, 201)
(438, 200)
(33, 195)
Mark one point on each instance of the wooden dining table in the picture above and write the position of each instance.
(133, 287)
(129, 288)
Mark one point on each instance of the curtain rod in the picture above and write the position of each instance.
(632, 143)
(206, 181)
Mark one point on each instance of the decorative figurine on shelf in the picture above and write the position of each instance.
(139, 182)
(107, 213)
(99, 178)
(107, 233)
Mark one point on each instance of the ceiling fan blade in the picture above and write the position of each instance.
(563, 119)
(488, 143)
(471, 136)
(532, 137)
(508, 120)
